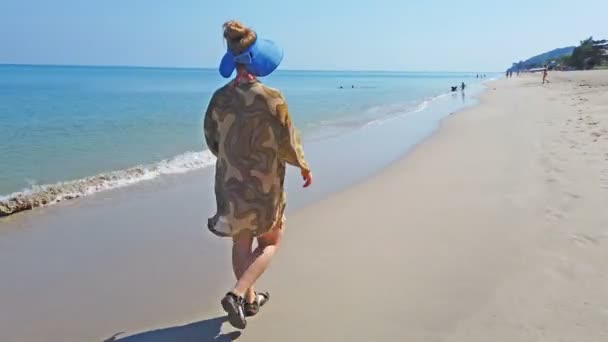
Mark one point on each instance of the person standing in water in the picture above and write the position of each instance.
(462, 86)
(248, 128)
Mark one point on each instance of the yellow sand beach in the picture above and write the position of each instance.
(494, 229)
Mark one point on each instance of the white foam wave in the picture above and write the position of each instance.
(422, 106)
(394, 114)
(373, 116)
(42, 195)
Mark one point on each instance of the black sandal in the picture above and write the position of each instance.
(252, 309)
(234, 307)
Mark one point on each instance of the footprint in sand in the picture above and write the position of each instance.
(553, 215)
(550, 180)
(572, 195)
(604, 178)
(570, 268)
(572, 142)
(584, 239)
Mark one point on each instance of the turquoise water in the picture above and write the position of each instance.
(66, 123)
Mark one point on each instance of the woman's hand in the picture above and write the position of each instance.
(307, 178)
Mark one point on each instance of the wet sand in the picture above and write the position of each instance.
(493, 229)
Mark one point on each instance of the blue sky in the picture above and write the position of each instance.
(429, 35)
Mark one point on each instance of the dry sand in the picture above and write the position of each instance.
(494, 229)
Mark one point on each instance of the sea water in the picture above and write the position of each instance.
(88, 129)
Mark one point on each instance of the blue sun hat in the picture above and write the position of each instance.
(261, 58)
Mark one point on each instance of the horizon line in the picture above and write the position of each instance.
(213, 68)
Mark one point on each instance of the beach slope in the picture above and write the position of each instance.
(494, 229)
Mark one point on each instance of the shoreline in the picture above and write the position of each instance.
(97, 241)
(136, 177)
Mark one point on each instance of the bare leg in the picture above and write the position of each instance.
(242, 257)
(260, 259)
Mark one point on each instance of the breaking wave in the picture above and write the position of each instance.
(42, 195)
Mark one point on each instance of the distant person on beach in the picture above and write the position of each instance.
(462, 86)
(248, 128)
(545, 73)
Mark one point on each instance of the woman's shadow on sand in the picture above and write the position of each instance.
(204, 331)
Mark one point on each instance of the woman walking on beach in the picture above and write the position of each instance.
(248, 128)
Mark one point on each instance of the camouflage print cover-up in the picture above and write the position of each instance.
(248, 128)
